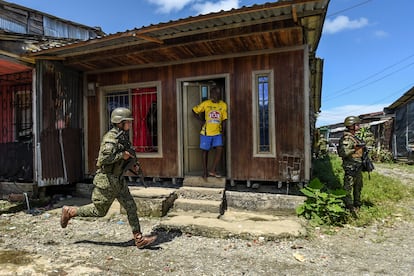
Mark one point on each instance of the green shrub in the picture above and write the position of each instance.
(322, 207)
(382, 196)
(382, 155)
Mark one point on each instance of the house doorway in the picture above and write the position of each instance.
(194, 92)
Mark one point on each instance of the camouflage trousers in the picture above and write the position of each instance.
(353, 186)
(108, 188)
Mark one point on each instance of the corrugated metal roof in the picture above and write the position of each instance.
(404, 99)
(308, 14)
(22, 13)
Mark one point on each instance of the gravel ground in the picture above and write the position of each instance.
(36, 245)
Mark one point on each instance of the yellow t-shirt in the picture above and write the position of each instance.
(215, 113)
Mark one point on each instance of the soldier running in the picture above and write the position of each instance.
(109, 181)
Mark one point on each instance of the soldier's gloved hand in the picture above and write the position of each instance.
(126, 155)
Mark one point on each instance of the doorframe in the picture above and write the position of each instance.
(180, 132)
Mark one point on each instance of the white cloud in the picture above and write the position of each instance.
(338, 114)
(200, 6)
(341, 23)
(207, 7)
(167, 6)
(381, 34)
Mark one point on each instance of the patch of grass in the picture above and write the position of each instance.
(383, 198)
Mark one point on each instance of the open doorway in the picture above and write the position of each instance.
(194, 92)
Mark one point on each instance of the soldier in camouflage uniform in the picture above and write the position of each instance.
(109, 181)
(351, 149)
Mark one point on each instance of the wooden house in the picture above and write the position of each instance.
(263, 57)
(28, 122)
(378, 123)
(403, 129)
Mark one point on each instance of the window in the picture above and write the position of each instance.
(263, 114)
(24, 120)
(143, 100)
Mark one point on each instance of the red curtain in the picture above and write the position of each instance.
(142, 98)
(6, 115)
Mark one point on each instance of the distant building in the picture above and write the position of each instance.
(403, 129)
(379, 123)
(24, 117)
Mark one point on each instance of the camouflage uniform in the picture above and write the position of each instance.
(351, 155)
(110, 183)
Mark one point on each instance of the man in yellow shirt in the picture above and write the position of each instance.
(213, 128)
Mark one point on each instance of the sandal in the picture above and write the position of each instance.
(213, 174)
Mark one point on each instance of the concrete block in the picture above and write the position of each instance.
(84, 189)
(206, 206)
(209, 182)
(7, 188)
(153, 202)
(263, 202)
(201, 193)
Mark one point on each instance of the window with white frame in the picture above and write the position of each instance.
(143, 100)
(263, 114)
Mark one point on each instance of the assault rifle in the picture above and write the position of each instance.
(132, 164)
(367, 165)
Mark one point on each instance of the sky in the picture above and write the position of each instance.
(366, 45)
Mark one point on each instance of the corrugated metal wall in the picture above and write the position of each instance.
(60, 124)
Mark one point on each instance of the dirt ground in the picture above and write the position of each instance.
(37, 245)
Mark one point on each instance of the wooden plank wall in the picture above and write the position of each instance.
(289, 113)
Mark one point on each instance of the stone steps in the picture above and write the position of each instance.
(201, 193)
(198, 205)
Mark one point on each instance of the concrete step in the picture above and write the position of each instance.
(195, 214)
(272, 204)
(209, 182)
(206, 206)
(201, 193)
(235, 225)
(153, 201)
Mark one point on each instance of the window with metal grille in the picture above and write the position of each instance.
(16, 107)
(143, 102)
(24, 120)
(263, 114)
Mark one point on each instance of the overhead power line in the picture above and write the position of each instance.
(349, 89)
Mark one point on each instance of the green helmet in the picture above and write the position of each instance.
(121, 114)
(351, 120)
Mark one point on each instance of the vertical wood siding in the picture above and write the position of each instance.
(289, 113)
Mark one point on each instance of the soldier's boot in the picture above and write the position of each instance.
(68, 212)
(143, 241)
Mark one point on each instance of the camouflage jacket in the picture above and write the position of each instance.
(349, 149)
(110, 153)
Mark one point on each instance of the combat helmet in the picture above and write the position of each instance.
(120, 114)
(351, 120)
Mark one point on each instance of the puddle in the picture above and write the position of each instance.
(15, 257)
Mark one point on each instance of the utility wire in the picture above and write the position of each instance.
(345, 90)
(350, 8)
(373, 75)
(334, 96)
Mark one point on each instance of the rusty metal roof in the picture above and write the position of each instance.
(257, 28)
(403, 100)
